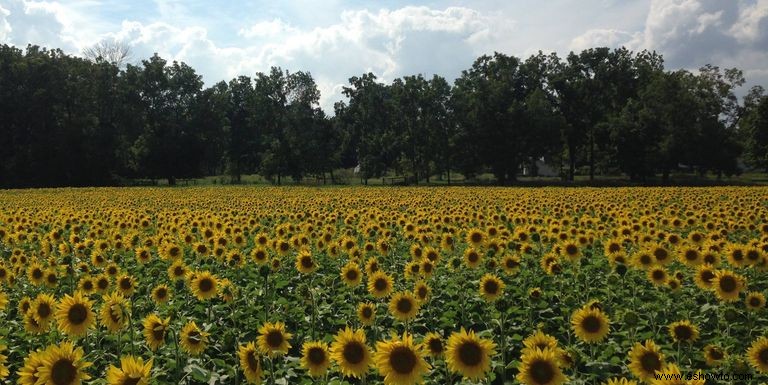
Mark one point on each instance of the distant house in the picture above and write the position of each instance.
(541, 169)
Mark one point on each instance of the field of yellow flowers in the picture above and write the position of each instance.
(236, 285)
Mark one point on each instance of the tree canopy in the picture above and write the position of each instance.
(71, 121)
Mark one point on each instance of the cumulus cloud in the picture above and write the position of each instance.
(602, 38)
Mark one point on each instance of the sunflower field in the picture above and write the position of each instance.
(352, 285)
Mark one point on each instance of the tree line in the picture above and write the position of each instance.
(71, 121)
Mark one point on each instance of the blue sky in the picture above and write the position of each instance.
(338, 39)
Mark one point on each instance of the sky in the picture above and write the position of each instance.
(336, 39)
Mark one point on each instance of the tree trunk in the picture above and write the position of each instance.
(571, 161)
(591, 157)
(171, 180)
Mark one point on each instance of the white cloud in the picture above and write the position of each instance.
(5, 27)
(602, 38)
(267, 29)
(752, 25)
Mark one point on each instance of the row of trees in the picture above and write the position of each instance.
(66, 120)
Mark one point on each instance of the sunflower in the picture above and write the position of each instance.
(511, 264)
(250, 361)
(114, 312)
(642, 260)
(305, 263)
(491, 287)
(468, 354)
(570, 250)
(126, 284)
(433, 344)
(400, 361)
(74, 315)
(351, 353)
(3, 369)
(422, 291)
(42, 309)
(204, 285)
(590, 324)
(366, 312)
(36, 274)
(379, 284)
(177, 270)
(658, 276)
(690, 255)
(728, 285)
(539, 340)
(259, 255)
(132, 371)
(645, 360)
(155, 329)
(192, 339)
(143, 255)
(403, 306)
(476, 237)
(32, 326)
(161, 294)
(683, 331)
(714, 355)
(351, 274)
(29, 372)
(540, 367)
(736, 256)
(704, 277)
(62, 365)
(757, 354)
(755, 300)
(472, 257)
(273, 340)
(315, 358)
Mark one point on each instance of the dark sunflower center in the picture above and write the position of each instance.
(25, 307)
(125, 284)
(194, 337)
(43, 310)
(614, 247)
(707, 276)
(716, 354)
(763, 356)
(158, 332)
(63, 372)
(491, 287)
(316, 356)
(403, 360)
(351, 275)
(691, 255)
(542, 372)
(753, 255)
(470, 354)
(374, 267)
(306, 262)
(737, 255)
(367, 312)
(353, 353)
(52, 278)
(645, 259)
(161, 293)
(77, 314)
(422, 292)
(728, 284)
(650, 362)
(37, 274)
(591, 324)
(274, 339)
(205, 285)
(473, 257)
(131, 381)
(380, 284)
(754, 302)
(571, 249)
(476, 237)
(253, 362)
(660, 254)
(178, 271)
(435, 346)
(427, 267)
(404, 305)
(658, 274)
(511, 264)
(415, 268)
(683, 332)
